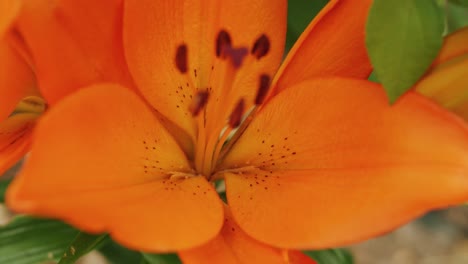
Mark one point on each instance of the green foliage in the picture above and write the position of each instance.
(300, 13)
(161, 259)
(116, 254)
(460, 2)
(3, 187)
(82, 244)
(457, 17)
(403, 37)
(29, 240)
(331, 256)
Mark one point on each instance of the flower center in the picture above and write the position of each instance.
(221, 112)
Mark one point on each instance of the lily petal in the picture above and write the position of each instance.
(346, 166)
(8, 11)
(15, 139)
(447, 85)
(16, 79)
(74, 44)
(233, 246)
(171, 45)
(446, 82)
(102, 162)
(332, 44)
(454, 45)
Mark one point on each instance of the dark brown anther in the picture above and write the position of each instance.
(236, 116)
(261, 47)
(199, 101)
(263, 88)
(181, 58)
(223, 41)
(236, 55)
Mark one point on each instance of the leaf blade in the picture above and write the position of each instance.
(81, 245)
(28, 240)
(161, 258)
(331, 256)
(403, 38)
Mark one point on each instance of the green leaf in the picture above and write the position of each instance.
(82, 244)
(457, 17)
(116, 254)
(3, 187)
(460, 2)
(300, 13)
(162, 258)
(29, 240)
(331, 256)
(403, 38)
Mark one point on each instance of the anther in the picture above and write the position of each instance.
(263, 88)
(181, 58)
(199, 101)
(236, 116)
(236, 55)
(223, 41)
(261, 47)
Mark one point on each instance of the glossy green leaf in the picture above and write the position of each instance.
(29, 240)
(162, 258)
(82, 244)
(331, 256)
(457, 17)
(460, 2)
(117, 254)
(403, 37)
(300, 13)
(3, 187)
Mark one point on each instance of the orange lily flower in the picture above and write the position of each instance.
(83, 52)
(315, 158)
(446, 81)
(16, 82)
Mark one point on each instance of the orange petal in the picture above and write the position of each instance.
(332, 44)
(102, 162)
(171, 45)
(8, 11)
(446, 82)
(447, 85)
(16, 79)
(329, 162)
(454, 45)
(15, 139)
(233, 246)
(74, 43)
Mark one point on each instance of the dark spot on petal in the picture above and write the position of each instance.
(263, 88)
(223, 41)
(200, 100)
(236, 116)
(181, 58)
(261, 47)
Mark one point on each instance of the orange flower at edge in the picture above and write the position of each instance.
(324, 161)
(17, 81)
(446, 81)
(74, 52)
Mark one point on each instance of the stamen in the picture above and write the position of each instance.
(181, 59)
(199, 101)
(236, 55)
(223, 41)
(263, 88)
(236, 116)
(261, 47)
